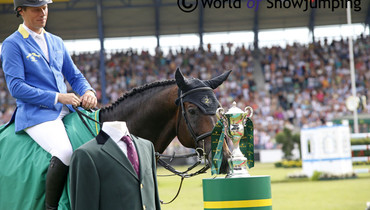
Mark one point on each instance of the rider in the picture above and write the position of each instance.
(35, 63)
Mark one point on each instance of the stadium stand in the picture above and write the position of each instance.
(305, 85)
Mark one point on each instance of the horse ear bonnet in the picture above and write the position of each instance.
(205, 100)
(217, 81)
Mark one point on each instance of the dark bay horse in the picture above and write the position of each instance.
(160, 111)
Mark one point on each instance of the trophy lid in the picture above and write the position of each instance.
(234, 110)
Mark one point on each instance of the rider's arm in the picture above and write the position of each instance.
(14, 69)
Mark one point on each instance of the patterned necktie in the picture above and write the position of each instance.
(132, 154)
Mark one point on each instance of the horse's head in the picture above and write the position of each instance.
(197, 112)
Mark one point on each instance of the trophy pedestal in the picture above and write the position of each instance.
(253, 192)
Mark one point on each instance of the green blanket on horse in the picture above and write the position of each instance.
(23, 164)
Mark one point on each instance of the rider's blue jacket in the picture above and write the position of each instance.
(34, 81)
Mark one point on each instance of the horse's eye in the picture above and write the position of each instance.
(192, 111)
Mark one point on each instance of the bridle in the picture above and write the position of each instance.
(199, 150)
(185, 116)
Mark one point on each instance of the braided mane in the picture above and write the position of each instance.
(137, 90)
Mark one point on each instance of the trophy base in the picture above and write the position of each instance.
(238, 167)
(248, 193)
(238, 173)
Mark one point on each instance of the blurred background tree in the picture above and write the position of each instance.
(287, 139)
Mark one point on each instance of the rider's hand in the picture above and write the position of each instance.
(89, 100)
(69, 98)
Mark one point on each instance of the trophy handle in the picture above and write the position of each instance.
(220, 112)
(249, 111)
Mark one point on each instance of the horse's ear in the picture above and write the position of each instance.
(217, 81)
(180, 79)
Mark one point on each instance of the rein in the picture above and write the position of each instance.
(80, 114)
(183, 174)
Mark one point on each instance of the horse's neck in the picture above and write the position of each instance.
(151, 117)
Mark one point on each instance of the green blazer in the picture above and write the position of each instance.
(102, 177)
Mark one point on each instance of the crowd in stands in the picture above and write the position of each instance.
(305, 85)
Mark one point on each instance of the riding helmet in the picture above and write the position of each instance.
(30, 3)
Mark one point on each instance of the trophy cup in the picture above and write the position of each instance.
(235, 121)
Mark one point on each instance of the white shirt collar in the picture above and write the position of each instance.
(34, 34)
(116, 130)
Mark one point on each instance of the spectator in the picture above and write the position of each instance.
(306, 85)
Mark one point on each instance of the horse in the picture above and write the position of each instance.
(158, 112)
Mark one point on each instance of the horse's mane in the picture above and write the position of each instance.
(137, 90)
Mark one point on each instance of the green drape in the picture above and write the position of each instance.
(23, 164)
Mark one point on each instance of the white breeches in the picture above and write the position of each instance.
(53, 138)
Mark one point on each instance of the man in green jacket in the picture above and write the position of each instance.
(102, 176)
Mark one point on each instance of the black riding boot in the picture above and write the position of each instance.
(55, 180)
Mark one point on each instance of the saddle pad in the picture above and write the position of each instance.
(23, 164)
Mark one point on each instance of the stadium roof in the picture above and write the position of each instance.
(78, 19)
